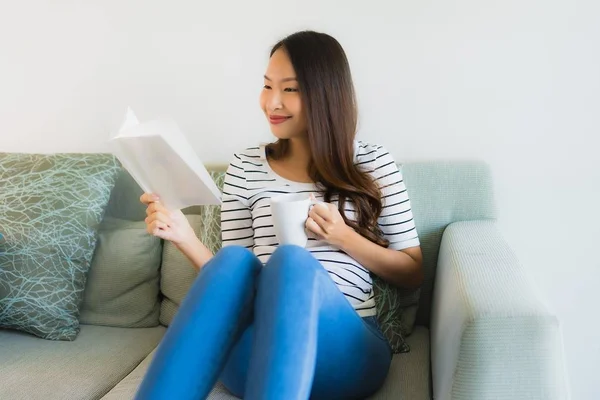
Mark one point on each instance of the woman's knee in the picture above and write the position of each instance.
(292, 262)
(234, 260)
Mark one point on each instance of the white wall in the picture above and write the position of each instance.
(515, 83)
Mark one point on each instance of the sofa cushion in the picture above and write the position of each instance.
(85, 368)
(396, 311)
(122, 287)
(408, 377)
(50, 209)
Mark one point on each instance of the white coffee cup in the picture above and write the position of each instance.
(290, 212)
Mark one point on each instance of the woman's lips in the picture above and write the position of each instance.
(276, 119)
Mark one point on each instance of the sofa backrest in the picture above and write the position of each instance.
(441, 192)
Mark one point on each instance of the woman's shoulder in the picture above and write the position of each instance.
(255, 153)
(370, 154)
(249, 158)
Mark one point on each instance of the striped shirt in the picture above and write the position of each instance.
(246, 215)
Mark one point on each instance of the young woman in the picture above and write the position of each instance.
(285, 322)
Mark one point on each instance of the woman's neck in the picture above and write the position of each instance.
(299, 155)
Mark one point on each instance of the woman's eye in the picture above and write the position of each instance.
(267, 87)
(290, 90)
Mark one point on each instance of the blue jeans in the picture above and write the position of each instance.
(279, 331)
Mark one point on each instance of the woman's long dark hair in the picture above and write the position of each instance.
(328, 98)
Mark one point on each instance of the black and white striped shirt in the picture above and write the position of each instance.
(246, 215)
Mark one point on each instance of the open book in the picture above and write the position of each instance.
(161, 160)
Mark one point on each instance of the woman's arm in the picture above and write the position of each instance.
(196, 252)
(400, 267)
(174, 227)
(236, 217)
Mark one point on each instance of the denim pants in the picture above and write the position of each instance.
(279, 331)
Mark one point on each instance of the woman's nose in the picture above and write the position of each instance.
(274, 102)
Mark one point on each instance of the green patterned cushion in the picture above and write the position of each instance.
(210, 233)
(396, 310)
(122, 285)
(50, 209)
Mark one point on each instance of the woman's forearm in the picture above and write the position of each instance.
(196, 252)
(394, 266)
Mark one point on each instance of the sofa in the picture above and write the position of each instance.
(480, 332)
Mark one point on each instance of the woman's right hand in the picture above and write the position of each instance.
(165, 224)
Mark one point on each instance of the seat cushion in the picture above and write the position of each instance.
(408, 378)
(85, 368)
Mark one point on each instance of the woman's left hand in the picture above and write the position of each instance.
(325, 221)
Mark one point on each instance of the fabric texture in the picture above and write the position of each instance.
(50, 209)
(408, 378)
(86, 368)
(396, 309)
(288, 303)
(443, 192)
(122, 287)
(492, 338)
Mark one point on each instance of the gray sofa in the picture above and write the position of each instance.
(481, 333)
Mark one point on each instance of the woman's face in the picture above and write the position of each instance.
(280, 99)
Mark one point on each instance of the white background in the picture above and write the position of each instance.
(515, 83)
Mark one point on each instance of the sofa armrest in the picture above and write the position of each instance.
(491, 336)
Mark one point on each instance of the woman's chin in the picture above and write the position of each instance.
(285, 133)
(280, 134)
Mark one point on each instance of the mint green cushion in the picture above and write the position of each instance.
(50, 209)
(122, 287)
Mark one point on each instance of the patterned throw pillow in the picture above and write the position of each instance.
(396, 312)
(50, 209)
(210, 233)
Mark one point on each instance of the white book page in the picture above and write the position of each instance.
(161, 160)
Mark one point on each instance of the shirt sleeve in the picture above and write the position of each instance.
(396, 220)
(236, 219)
